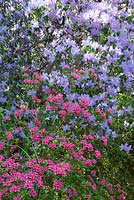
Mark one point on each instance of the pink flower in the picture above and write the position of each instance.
(17, 197)
(43, 130)
(50, 98)
(36, 81)
(53, 108)
(75, 76)
(34, 130)
(87, 163)
(17, 113)
(52, 145)
(40, 183)
(36, 120)
(50, 162)
(84, 102)
(6, 118)
(111, 197)
(67, 145)
(32, 193)
(91, 137)
(37, 76)
(110, 110)
(91, 70)
(121, 196)
(90, 147)
(28, 81)
(84, 142)
(18, 129)
(16, 155)
(33, 111)
(97, 154)
(62, 113)
(57, 169)
(103, 114)
(85, 113)
(93, 172)
(1, 158)
(0, 195)
(110, 121)
(35, 138)
(66, 166)
(24, 69)
(98, 110)
(94, 161)
(76, 70)
(48, 107)
(59, 96)
(46, 140)
(57, 184)
(81, 71)
(76, 109)
(35, 99)
(66, 67)
(66, 105)
(118, 187)
(56, 100)
(94, 74)
(26, 75)
(88, 196)
(47, 91)
(28, 184)
(104, 140)
(10, 136)
(63, 138)
(109, 187)
(14, 188)
(94, 186)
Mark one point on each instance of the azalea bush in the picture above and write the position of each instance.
(66, 117)
(49, 149)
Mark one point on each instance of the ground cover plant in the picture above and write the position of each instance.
(66, 99)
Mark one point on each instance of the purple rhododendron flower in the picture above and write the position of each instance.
(31, 92)
(125, 147)
(66, 127)
(114, 134)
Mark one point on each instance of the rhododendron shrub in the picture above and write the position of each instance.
(42, 34)
(50, 146)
